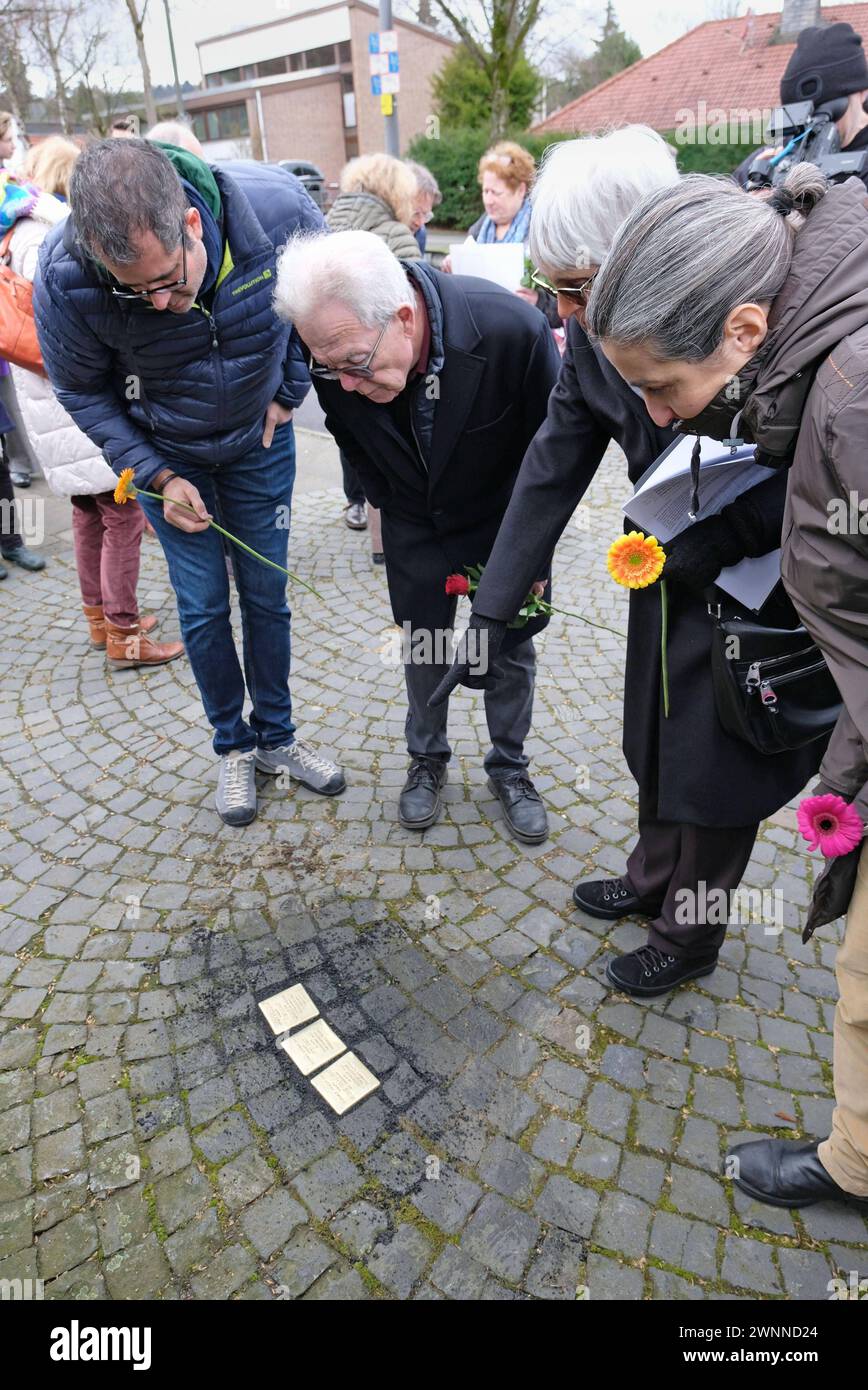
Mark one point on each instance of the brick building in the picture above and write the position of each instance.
(298, 87)
(724, 65)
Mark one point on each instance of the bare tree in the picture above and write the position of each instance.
(137, 19)
(66, 35)
(13, 66)
(494, 32)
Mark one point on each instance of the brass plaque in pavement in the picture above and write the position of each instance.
(313, 1046)
(288, 1009)
(345, 1082)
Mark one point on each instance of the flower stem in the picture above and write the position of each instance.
(229, 536)
(664, 633)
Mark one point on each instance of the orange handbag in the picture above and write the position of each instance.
(18, 341)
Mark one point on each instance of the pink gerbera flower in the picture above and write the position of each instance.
(829, 824)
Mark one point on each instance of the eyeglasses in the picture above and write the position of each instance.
(159, 289)
(363, 370)
(579, 293)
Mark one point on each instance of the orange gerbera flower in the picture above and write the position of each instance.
(635, 560)
(125, 489)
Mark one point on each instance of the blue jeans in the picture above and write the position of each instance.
(251, 498)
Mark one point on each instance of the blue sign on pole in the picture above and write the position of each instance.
(376, 86)
(393, 62)
(373, 43)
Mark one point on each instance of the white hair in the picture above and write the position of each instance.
(355, 269)
(176, 133)
(585, 188)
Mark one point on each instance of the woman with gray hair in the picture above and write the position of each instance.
(701, 793)
(735, 312)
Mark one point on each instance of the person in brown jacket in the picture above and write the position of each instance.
(748, 316)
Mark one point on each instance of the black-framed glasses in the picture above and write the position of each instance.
(363, 369)
(159, 289)
(578, 293)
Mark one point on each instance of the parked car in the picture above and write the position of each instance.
(312, 178)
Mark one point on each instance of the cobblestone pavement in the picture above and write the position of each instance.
(155, 1142)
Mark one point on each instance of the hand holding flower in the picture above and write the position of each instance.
(829, 824)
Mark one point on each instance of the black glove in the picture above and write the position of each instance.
(474, 662)
(696, 557)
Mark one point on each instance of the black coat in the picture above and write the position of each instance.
(492, 365)
(686, 766)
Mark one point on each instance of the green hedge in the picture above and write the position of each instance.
(454, 157)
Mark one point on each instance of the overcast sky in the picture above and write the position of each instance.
(651, 24)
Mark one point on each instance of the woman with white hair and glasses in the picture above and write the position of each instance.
(701, 792)
(707, 288)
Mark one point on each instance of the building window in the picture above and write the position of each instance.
(224, 123)
(320, 57)
(271, 67)
(296, 62)
(344, 52)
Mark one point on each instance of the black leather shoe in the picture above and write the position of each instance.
(610, 898)
(647, 971)
(419, 802)
(523, 808)
(27, 559)
(786, 1173)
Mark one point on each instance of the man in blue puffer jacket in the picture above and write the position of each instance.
(197, 401)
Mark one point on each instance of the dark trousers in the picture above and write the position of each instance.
(508, 711)
(353, 490)
(10, 538)
(676, 868)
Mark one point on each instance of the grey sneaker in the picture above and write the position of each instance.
(304, 765)
(236, 788)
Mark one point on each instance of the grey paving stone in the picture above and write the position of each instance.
(622, 1224)
(457, 1275)
(359, 1227)
(556, 1141)
(610, 1279)
(689, 1245)
(66, 1245)
(139, 1272)
(554, 1273)
(597, 1158)
(501, 1236)
(694, 1193)
(270, 1221)
(805, 1273)
(566, 1204)
(748, 1264)
(328, 1184)
(400, 1262)
(448, 1199)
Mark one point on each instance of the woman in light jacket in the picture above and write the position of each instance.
(107, 536)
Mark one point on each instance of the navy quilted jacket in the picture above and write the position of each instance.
(159, 389)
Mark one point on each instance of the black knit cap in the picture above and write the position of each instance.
(827, 62)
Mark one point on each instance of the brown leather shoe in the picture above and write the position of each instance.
(128, 646)
(96, 622)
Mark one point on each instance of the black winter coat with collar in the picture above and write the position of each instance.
(444, 489)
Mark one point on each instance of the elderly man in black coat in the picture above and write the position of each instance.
(433, 386)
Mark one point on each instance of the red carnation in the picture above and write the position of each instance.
(457, 584)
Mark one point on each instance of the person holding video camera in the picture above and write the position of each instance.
(826, 66)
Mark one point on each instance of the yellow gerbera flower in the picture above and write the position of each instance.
(635, 560)
(125, 488)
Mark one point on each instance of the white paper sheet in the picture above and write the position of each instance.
(503, 263)
(660, 504)
(751, 581)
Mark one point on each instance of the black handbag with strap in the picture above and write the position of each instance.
(772, 687)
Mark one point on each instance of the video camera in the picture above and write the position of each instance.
(806, 132)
